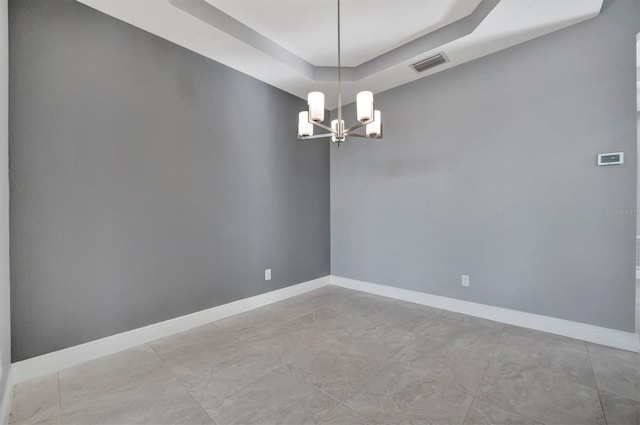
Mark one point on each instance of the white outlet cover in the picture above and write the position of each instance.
(267, 274)
(465, 280)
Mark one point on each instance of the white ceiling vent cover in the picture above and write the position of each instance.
(430, 62)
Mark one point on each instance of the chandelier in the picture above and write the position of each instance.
(366, 114)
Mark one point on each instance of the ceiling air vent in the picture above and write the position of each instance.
(429, 62)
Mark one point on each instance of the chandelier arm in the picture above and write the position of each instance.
(355, 127)
(315, 136)
(322, 126)
(364, 136)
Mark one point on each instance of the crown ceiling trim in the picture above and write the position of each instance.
(209, 14)
(492, 26)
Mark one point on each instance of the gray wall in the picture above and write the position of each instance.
(5, 328)
(147, 181)
(638, 229)
(488, 169)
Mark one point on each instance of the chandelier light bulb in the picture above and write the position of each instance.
(316, 106)
(305, 128)
(364, 106)
(374, 129)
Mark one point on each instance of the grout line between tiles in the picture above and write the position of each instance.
(340, 402)
(166, 366)
(482, 380)
(59, 398)
(485, 372)
(595, 381)
(156, 351)
(354, 411)
(493, 353)
(324, 391)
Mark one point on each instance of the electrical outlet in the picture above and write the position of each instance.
(267, 274)
(465, 280)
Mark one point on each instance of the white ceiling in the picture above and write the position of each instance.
(300, 34)
(369, 27)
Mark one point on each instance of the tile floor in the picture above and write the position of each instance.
(335, 356)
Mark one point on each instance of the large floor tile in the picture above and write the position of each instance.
(328, 296)
(345, 416)
(540, 396)
(230, 343)
(619, 410)
(483, 413)
(295, 307)
(467, 335)
(339, 370)
(364, 305)
(398, 316)
(292, 308)
(544, 338)
(286, 343)
(617, 375)
(277, 398)
(36, 402)
(526, 353)
(252, 322)
(109, 372)
(329, 321)
(398, 394)
(156, 399)
(472, 319)
(211, 382)
(601, 350)
(419, 307)
(185, 345)
(457, 368)
(374, 340)
(131, 387)
(215, 345)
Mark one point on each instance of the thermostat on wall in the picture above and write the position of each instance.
(615, 158)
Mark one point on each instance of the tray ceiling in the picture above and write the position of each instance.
(369, 27)
(291, 44)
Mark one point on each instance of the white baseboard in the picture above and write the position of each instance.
(58, 360)
(604, 336)
(7, 396)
